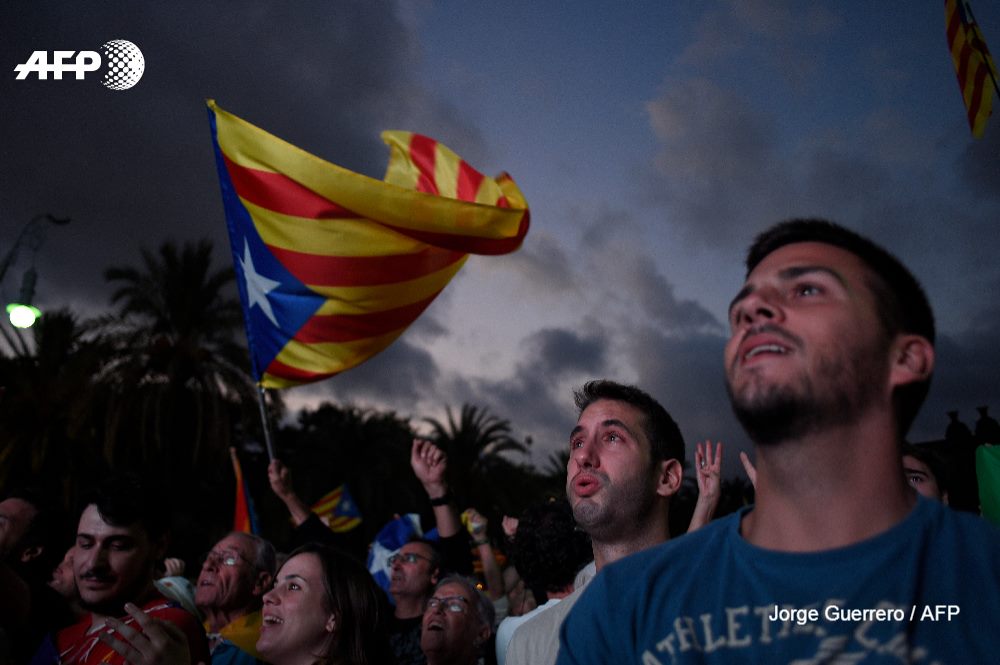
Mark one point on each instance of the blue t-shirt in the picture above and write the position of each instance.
(925, 591)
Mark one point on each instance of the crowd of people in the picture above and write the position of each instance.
(848, 554)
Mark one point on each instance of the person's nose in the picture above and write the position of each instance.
(585, 454)
(760, 305)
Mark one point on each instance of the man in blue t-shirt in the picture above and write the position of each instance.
(829, 359)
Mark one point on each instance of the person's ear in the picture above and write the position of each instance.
(331, 623)
(262, 584)
(912, 360)
(33, 552)
(669, 476)
(160, 547)
(481, 636)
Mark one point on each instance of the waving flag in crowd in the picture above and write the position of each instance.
(337, 510)
(977, 74)
(332, 265)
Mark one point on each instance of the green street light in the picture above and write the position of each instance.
(22, 314)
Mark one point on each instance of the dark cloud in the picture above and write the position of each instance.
(686, 375)
(979, 164)
(618, 269)
(541, 262)
(537, 395)
(135, 167)
(402, 376)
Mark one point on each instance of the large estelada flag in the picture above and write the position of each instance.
(337, 510)
(974, 66)
(333, 266)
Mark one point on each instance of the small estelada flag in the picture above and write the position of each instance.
(337, 510)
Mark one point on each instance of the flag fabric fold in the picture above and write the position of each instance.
(337, 510)
(244, 517)
(974, 66)
(333, 266)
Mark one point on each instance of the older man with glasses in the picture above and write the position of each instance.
(457, 623)
(234, 577)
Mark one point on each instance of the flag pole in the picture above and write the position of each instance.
(265, 423)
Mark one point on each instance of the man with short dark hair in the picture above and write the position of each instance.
(830, 355)
(548, 550)
(229, 592)
(924, 470)
(626, 461)
(122, 534)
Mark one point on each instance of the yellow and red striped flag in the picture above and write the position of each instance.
(337, 510)
(333, 266)
(974, 67)
(244, 517)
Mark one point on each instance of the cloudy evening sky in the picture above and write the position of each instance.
(652, 140)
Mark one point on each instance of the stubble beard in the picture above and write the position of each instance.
(772, 414)
(620, 511)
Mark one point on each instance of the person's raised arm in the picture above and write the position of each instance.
(281, 484)
(477, 524)
(708, 473)
(430, 464)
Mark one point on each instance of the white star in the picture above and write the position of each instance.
(258, 286)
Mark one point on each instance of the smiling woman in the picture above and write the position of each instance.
(324, 608)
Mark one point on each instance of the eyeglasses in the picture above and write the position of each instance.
(453, 604)
(406, 557)
(227, 558)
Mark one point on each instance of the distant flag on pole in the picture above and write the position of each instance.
(244, 517)
(988, 475)
(974, 66)
(337, 510)
(333, 266)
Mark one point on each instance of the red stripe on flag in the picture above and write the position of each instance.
(350, 327)
(469, 244)
(978, 88)
(322, 270)
(281, 194)
(468, 182)
(283, 371)
(423, 154)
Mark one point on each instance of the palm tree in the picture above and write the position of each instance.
(47, 426)
(177, 378)
(478, 472)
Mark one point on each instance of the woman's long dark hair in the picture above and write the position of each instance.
(361, 608)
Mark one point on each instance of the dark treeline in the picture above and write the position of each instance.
(161, 384)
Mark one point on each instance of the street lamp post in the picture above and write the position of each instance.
(22, 313)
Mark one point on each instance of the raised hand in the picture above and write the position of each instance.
(429, 464)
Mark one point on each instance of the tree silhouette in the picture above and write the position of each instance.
(46, 401)
(478, 472)
(176, 377)
(366, 449)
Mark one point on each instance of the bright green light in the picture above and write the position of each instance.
(22, 316)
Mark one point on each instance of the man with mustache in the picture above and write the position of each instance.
(122, 534)
(626, 461)
(830, 356)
